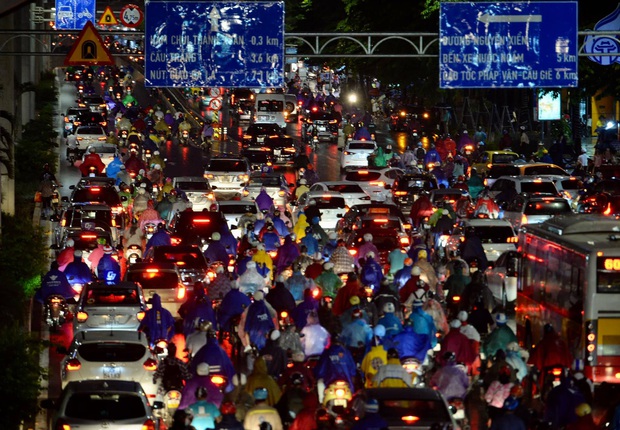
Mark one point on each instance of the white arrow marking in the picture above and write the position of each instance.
(486, 18)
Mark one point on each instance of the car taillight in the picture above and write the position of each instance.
(81, 316)
(556, 371)
(150, 365)
(400, 193)
(456, 299)
(102, 138)
(410, 419)
(404, 241)
(140, 315)
(377, 183)
(148, 425)
(181, 292)
(523, 219)
(73, 364)
(485, 182)
(175, 240)
(348, 153)
(513, 239)
(62, 425)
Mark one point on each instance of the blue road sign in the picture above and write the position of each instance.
(214, 44)
(74, 14)
(508, 45)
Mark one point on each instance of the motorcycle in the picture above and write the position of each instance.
(149, 230)
(338, 393)
(122, 138)
(415, 369)
(147, 156)
(56, 311)
(133, 254)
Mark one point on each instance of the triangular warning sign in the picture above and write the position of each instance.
(108, 17)
(89, 49)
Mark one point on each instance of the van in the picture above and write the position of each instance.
(271, 108)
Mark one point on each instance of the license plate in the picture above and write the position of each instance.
(263, 117)
(322, 128)
(260, 139)
(111, 372)
(340, 402)
(277, 152)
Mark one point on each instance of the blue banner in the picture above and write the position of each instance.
(508, 45)
(214, 44)
(73, 14)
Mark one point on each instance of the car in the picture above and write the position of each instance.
(410, 118)
(374, 209)
(323, 123)
(93, 102)
(331, 205)
(283, 149)
(501, 278)
(487, 159)
(71, 120)
(189, 260)
(569, 188)
(87, 117)
(407, 188)
(99, 190)
(274, 183)
(411, 408)
(84, 136)
(86, 221)
(196, 228)
(256, 134)
(497, 236)
(258, 157)
(353, 193)
(106, 403)
(523, 184)
(198, 192)
(227, 176)
(242, 103)
(522, 169)
(384, 223)
(163, 278)
(107, 151)
(525, 209)
(120, 306)
(376, 182)
(117, 355)
(233, 210)
(600, 203)
(385, 240)
(86, 241)
(355, 153)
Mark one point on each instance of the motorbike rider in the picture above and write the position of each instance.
(562, 401)
(404, 274)
(251, 280)
(343, 261)
(458, 343)
(328, 280)
(92, 159)
(216, 359)
(367, 247)
(228, 420)
(432, 157)
(54, 282)
(221, 284)
(263, 200)
(160, 238)
(335, 363)
(356, 335)
(78, 272)
(197, 339)
(308, 305)
(499, 338)
(201, 378)
(287, 253)
(352, 288)
(262, 413)
(216, 251)
(197, 308)
(451, 379)
(472, 249)
(257, 321)
(108, 269)
(302, 188)
(362, 132)
(423, 323)
(158, 323)
(392, 374)
(371, 275)
(149, 216)
(204, 412)
(550, 351)
(172, 371)
(264, 262)
(391, 322)
(311, 175)
(270, 237)
(183, 124)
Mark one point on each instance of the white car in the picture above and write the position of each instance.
(497, 236)
(356, 152)
(233, 210)
(523, 209)
(376, 182)
(110, 354)
(198, 192)
(331, 205)
(353, 193)
(275, 185)
(86, 135)
(502, 278)
(227, 176)
(106, 151)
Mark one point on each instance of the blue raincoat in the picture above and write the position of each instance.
(423, 324)
(287, 254)
(78, 272)
(54, 282)
(311, 244)
(336, 363)
(200, 308)
(258, 323)
(109, 270)
(213, 354)
(271, 240)
(233, 303)
(113, 168)
(159, 238)
(392, 324)
(402, 276)
(371, 273)
(216, 251)
(408, 343)
(302, 310)
(296, 284)
(158, 323)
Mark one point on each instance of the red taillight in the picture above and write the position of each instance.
(73, 364)
(607, 211)
(88, 236)
(181, 292)
(201, 221)
(400, 193)
(409, 419)
(150, 365)
(556, 371)
(148, 425)
(283, 314)
(175, 240)
(95, 189)
(377, 183)
(353, 252)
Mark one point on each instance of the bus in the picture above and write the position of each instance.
(569, 276)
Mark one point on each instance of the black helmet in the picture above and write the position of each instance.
(161, 226)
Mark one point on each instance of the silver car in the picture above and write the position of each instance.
(497, 236)
(109, 404)
(198, 191)
(227, 176)
(274, 184)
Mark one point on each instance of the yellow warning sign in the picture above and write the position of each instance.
(89, 49)
(108, 17)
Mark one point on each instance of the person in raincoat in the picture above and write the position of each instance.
(392, 374)
(499, 338)
(280, 298)
(199, 308)
(220, 285)
(379, 158)
(158, 323)
(233, 304)
(371, 275)
(362, 133)
(315, 337)
(353, 288)
(356, 335)
(299, 230)
(264, 201)
(423, 323)
(112, 169)
(216, 251)
(335, 363)
(257, 321)
(404, 274)
(366, 247)
(475, 184)
(421, 208)
(261, 378)
(310, 242)
(342, 259)
(108, 269)
(410, 344)
(270, 237)
(451, 379)
(287, 253)
(458, 343)
(78, 272)
(328, 280)
(201, 378)
(264, 263)
(54, 282)
(298, 283)
(262, 416)
(427, 271)
(391, 322)
(251, 280)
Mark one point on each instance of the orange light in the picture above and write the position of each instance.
(201, 221)
(456, 298)
(409, 419)
(353, 252)
(150, 365)
(316, 292)
(339, 392)
(591, 348)
(140, 315)
(556, 371)
(81, 316)
(607, 211)
(591, 337)
(73, 364)
(523, 219)
(381, 220)
(404, 241)
(218, 380)
(95, 189)
(400, 193)
(181, 292)
(152, 270)
(377, 183)
(175, 240)
(611, 264)
(284, 314)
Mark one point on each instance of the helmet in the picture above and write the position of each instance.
(107, 249)
(583, 409)
(379, 330)
(92, 150)
(260, 394)
(228, 408)
(511, 403)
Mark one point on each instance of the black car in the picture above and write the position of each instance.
(411, 118)
(196, 228)
(99, 190)
(257, 157)
(93, 102)
(406, 189)
(282, 148)
(257, 134)
(189, 260)
(322, 124)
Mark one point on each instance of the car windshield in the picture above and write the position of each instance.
(99, 352)
(228, 166)
(75, 218)
(363, 176)
(382, 241)
(554, 207)
(345, 188)
(193, 186)
(451, 197)
(422, 412)
(325, 202)
(97, 194)
(108, 407)
(571, 184)
(360, 145)
(154, 279)
(197, 225)
(415, 183)
(504, 158)
(538, 187)
(381, 223)
(263, 129)
(270, 106)
(494, 233)
(237, 209)
(266, 181)
(114, 295)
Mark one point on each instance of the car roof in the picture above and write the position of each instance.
(95, 336)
